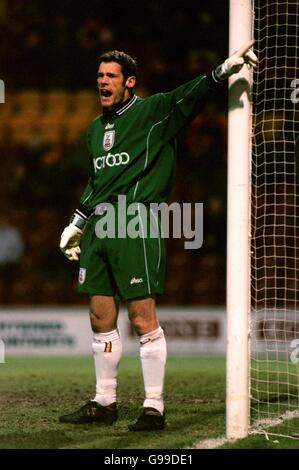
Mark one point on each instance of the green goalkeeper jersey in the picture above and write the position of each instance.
(133, 149)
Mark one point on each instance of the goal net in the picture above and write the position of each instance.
(274, 389)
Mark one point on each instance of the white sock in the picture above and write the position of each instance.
(153, 359)
(107, 349)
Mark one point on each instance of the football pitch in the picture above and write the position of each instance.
(34, 392)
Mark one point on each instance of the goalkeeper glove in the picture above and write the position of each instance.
(235, 62)
(71, 237)
(70, 242)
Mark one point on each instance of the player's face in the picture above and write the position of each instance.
(113, 88)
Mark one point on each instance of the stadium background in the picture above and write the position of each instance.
(48, 62)
(48, 56)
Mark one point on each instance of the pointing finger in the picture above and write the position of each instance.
(245, 48)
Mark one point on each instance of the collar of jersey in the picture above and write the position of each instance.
(124, 107)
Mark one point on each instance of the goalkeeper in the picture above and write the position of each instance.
(132, 151)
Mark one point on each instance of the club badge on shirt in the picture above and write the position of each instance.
(108, 140)
(82, 275)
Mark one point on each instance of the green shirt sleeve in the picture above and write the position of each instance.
(179, 106)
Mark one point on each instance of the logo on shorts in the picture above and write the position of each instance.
(82, 275)
(108, 140)
(134, 280)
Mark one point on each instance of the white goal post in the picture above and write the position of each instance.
(238, 228)
(263, 223)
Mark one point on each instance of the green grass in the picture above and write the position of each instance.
(35, 391)
(261, 442)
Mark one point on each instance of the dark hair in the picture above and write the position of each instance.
(128, 63)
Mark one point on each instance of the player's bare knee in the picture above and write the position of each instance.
(100, 323)
(103, 312)
(138, 324)
(95, 322)
(142, 323)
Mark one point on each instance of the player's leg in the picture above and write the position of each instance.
(98, 281)
(106, 347)
(95, 278)
(138, 265)
(142, 313)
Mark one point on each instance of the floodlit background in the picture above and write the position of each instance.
(48, 62)
(48, 57)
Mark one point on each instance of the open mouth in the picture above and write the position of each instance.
(106, 93)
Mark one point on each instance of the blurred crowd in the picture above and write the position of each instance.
(50, 99)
